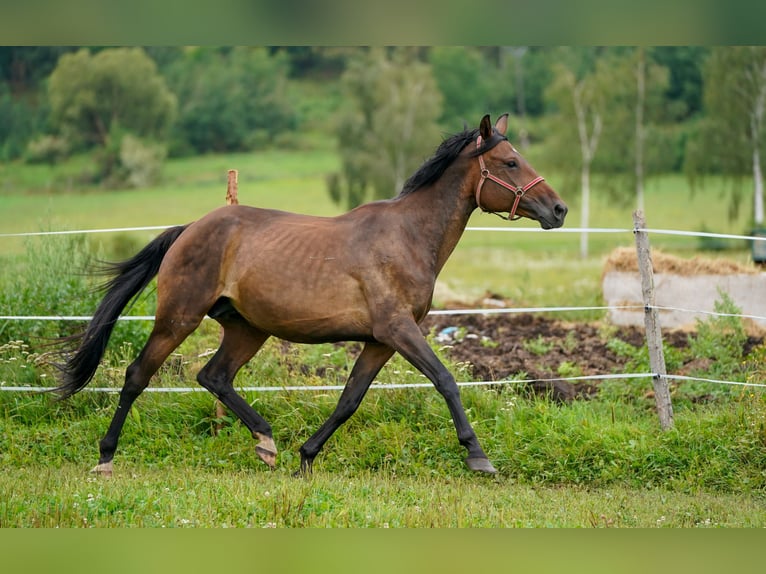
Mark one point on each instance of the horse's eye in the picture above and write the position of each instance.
(512, 164)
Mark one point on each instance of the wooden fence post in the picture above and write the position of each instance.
(231, 188)
(652, 323)
(231, 199)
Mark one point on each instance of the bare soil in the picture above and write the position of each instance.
(503, 345)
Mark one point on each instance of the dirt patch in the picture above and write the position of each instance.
(504, 345)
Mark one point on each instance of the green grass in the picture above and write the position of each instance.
(64, 497)
(395, 463)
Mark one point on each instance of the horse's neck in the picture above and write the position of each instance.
(439, 214)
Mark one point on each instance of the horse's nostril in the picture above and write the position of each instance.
(560, 210)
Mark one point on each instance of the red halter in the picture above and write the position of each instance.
(518, 191)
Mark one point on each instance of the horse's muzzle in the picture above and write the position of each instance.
(555, 217)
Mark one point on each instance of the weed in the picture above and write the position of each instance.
(538, 345)
(569, 343)
(721, 339)
(569, 369)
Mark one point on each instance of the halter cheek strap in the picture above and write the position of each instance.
(517, 191)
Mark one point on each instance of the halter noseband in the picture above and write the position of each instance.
(517, 191)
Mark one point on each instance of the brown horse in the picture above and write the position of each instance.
(367, 275)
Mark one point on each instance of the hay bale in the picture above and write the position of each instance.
(693, 284)
(624, 259)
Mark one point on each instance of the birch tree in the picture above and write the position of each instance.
(733, 135)
(389, 127)
(578, 96)
(607, 102)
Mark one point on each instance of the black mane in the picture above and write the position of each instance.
(445, 154)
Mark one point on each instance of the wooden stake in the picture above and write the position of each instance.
(231, 189)
(652, 323)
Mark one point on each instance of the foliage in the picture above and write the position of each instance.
(731, 137)
(464, 78)
(116, 102)
(715, 351)
(230, 100)
(683, 96)
(55, 281)
(141, 161)
(721, 339)
(389, 127)
(47, 149)
(20, 121)
(93, 94)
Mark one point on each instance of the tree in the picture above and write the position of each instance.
(733, 134)
(607, 100)
(462, 75)
(94, 96)
(684, 89)
(389, 127)
(230, 99)
(635, 87)
(25, 67)
(581, 104)
(20, 121)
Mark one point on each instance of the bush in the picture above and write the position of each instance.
(47, 149)
(20, 121)
(141, 161)
(54, 281)
(230, 100)
(91, 94)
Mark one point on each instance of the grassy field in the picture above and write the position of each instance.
(598, 463)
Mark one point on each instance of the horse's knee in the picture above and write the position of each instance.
(135, 382)
(216, 385)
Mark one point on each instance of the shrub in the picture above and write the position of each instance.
(141, 161)
(47, 149)
(53, 280)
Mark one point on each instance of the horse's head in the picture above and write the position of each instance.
(508, 184)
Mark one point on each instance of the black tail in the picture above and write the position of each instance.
(130, 278)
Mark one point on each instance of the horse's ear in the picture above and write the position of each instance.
(485, 128)
(501, 125)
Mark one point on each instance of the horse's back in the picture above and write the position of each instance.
(292, 275)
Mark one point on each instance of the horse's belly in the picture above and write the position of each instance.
(307, 319)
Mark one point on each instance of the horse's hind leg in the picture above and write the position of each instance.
(367, 366)
(240, 342)
(165, 337)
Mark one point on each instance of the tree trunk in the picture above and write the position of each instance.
(758, 187)
(584, 208)
(640, 134)
(588, 145)
(756, 127)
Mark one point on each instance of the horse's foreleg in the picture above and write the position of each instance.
(404, 335)
(161, 343)
(367, 366)
(240, 343)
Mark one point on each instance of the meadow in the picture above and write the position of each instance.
(397, 462)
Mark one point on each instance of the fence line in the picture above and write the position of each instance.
(77, 231)
(396, 386)
(435, 312)
(470, 228)
(489, 311)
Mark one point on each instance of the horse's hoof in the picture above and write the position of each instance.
(104, 469)
(306, 469)
(481, 465)
(266, 449)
